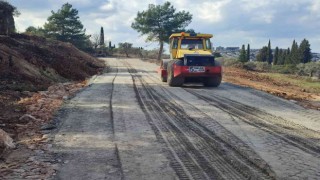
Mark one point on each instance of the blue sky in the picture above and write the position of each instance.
(233, 22)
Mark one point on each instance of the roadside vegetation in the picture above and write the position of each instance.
(307, 84)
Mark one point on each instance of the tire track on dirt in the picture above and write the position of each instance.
(211, 125)
(84, 140)
(216, 130)
(294, 134)
(181, 162)
(116, 70)
(215, 158)
(308, 114)
(296, 160)
(176, 139)
(288, 161)
(175, 161)
(111, 97)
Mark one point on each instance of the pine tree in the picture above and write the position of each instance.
(101, 37)
(159, 22)
(305, 51)
(248, 53)
(64, 25)
(242, 57)
(276, 56)
(269, 53)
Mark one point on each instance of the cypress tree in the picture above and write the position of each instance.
(242, 57)
(276, 56)
(248, 53)
(101, 37)
(287, 59)
(269, 53)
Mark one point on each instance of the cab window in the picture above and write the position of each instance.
(208, 44)
(191, 44)
(175, 43)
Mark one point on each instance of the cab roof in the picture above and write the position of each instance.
(183, 34)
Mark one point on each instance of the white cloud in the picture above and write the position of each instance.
(79, 2)
(31, 18)
(250, 5)
(107, 7)
(263, 18)
(210, 11)
(315, 8)
(204, 11)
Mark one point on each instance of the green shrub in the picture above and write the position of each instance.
(229, 62)
(276, 68)
(250, 65)
(284, 69)
(151, 54)
(263, 66)
(257, 66)
(301, 69)
(311, 69)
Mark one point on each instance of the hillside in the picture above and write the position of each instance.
(34, 63)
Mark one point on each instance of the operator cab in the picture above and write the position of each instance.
(188, 43)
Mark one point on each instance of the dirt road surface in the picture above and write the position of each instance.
(130, 125)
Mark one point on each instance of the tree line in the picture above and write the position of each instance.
(297, 54)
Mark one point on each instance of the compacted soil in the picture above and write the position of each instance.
(129, 125)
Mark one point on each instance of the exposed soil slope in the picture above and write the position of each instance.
(30, 62)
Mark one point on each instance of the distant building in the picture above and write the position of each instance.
(232, 48)
(219, 48)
